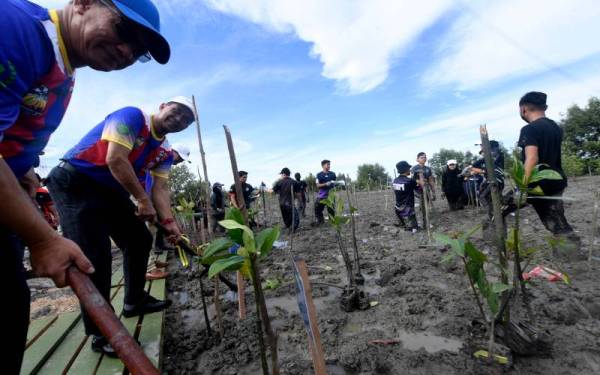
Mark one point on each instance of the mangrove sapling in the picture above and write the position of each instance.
(358, 277)
(352, 297)
(252, 249)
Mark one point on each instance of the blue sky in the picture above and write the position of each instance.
(359, 81)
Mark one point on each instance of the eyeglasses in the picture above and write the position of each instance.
(130, 33)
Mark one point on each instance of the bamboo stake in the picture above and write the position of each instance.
(204, 168)
(359, 277)
(242, 205)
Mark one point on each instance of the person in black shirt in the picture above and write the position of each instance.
(404, 188)
(421, 169)
(485, 189)
(325, 182)
(284, 187)
(540, 141)
(217, 203)
(247, 191)
(452, 185)
(302, 194)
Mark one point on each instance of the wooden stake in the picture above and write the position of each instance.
(242, 205)
(496, 205)
(309, 314)
(204, 168)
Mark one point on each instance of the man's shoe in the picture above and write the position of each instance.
(156, 274)
(101, 345)
(148, 305)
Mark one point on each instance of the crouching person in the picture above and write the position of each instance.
(92, 187)
(404, 188)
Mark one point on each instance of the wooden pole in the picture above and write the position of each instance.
(242, 205)
(496, 205)
(310, 317)
(204, 168)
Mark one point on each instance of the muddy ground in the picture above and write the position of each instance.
(425, 304)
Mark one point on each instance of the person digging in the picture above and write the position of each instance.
(40, 50)
(92, 186)
(181, 153)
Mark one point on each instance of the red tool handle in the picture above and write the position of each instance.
(111, 327)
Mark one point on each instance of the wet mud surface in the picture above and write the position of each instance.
(425, 305)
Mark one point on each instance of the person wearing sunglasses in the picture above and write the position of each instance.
(92, 187)
(40, 50)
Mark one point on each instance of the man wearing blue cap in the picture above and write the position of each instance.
(39, 52)
(91, 189)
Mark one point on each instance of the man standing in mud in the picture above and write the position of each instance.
(92, 187)
(418, 170)
(288, 190)
(39, 52)
(540, 141)
(325, 181)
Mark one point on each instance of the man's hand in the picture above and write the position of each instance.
(52, 258)
(145, 209)
(172, 230)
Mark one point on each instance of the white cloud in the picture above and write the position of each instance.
(499, 40)
(356, 41)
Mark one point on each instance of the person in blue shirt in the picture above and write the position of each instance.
(404, 190)
(40, 50)
(325, 181)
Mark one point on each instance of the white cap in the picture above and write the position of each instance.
(182, 150)
(451, 161)
(183, 100)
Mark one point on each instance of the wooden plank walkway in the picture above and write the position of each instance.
(58, 344)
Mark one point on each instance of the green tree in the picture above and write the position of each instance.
(371, 175)
(581, 129)
(311, 182)
(184, 184)
(572, 164)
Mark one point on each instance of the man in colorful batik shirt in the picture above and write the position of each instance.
(92, 186)
(39, 52)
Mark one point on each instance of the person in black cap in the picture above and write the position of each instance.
(421, 169)
(217, 203)
(284, 187)
(485, 190)
(540, 141)
(302, 197)
(404, 189)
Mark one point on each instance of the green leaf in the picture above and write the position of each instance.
(231, 224)
(272, 284)
(454, 244)
(234, 214)
(265, 240)
(228, 264)
(448, 257)
(500, 287)
(546, 174)
(218, 245)
(353, 210)
(245, 269)
(518, 172)
(471, 231)
(474, 254)
(249, 242)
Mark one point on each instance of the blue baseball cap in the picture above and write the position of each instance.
(145, 13)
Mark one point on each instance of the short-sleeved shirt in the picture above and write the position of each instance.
(498, 157)
(547, 136)
(416, 169)
(132, 129)
(323, 178)
(247, 190)
(284, 188)
(36, 82)
(404, 190)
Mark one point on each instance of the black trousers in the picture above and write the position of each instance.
(289, 214)
(319, 208)
(551, 213)
(91, 214)
(15, 314)
(412, 220)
